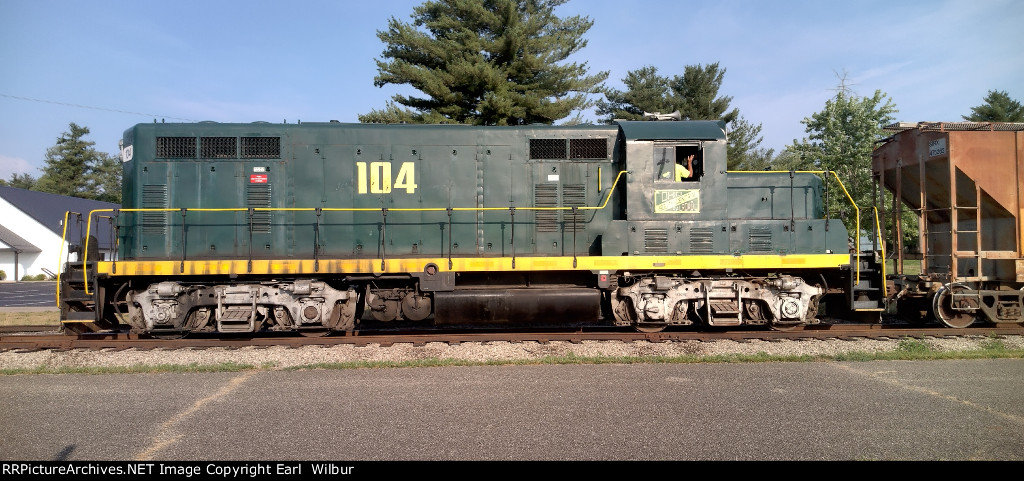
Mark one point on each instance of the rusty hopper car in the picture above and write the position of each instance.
(963, 180)
(321, 227)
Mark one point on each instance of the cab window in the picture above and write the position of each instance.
(674, 163)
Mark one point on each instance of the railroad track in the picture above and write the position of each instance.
(31, 341)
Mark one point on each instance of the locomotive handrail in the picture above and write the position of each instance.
(60, 252)
(881, 242)
(841, 185)
(85, 257)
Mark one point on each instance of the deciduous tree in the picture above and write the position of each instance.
(841, 138)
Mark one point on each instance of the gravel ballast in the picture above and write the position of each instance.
(283, 357)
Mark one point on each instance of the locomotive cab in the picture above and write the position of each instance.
(669, 198)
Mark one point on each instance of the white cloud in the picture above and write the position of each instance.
(14, 165)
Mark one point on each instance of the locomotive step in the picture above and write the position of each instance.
(78, 316)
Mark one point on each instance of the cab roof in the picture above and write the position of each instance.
(673, 130)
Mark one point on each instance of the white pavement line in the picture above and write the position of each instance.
(878, 376)
(168, 435)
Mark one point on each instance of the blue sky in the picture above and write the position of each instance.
(244, 61)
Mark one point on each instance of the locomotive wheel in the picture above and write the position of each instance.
(315, 332)
(787, 326)
(169, 335)
(650, 327)
(944, 312)
(416, 308)
(384, 310)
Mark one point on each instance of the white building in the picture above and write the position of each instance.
(31, 225)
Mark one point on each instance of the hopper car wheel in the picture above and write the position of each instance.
(944, 311)
(649, 327)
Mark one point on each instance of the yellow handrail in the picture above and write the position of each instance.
(60, 253)
(881, 242)
(85, 257)
(819, 172)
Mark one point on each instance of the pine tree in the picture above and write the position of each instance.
(496, 62)
(75, 168)
(998, 107)
(646, 91)
(744, 151)
(695, 95)
(696, 92)
(104, 179)
(20, 181)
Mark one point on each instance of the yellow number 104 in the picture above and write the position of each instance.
(378, 179)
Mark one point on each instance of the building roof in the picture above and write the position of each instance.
(48, 209)
(13, 241)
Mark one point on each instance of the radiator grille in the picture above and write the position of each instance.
(547, 149)
(218, 147)
(588, 148)
(261, 147)
(176, 147)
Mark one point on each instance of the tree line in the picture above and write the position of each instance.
(506, 62)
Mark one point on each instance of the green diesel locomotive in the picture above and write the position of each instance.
(321, 227)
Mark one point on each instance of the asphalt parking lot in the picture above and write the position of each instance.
(40, 294)
(883, 410)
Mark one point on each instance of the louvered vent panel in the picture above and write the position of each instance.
(258, 195)
(574, 195)
(656, 240)
(154, 196)
(760, 239)
(546, 195)
(701, 240)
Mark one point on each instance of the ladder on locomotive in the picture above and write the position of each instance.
(867, 294)
(867, 289)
